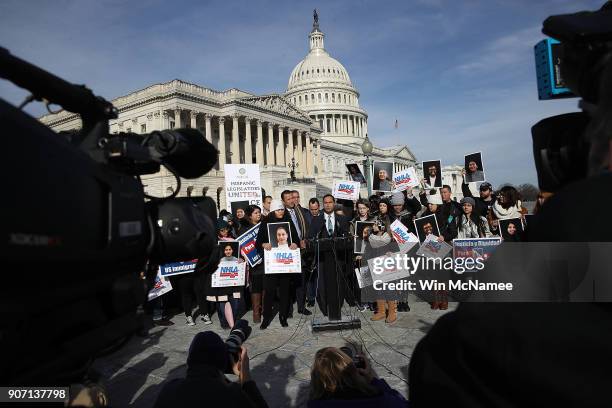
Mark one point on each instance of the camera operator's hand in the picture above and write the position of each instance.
(241, 367)
(293, 246)
(267, 247)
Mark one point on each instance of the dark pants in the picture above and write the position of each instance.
(191, 287)
(282, 281)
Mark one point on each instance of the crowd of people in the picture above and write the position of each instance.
(487, 214)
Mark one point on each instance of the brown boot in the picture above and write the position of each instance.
(443, 300)
(392, 317)
(380, 311)
(256, 303)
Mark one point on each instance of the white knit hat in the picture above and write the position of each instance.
(276, 205)
(434, 199)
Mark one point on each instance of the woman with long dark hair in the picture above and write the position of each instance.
(470, 224)
(256, 273)
(280, 281)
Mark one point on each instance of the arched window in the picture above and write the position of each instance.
(317, 70)
(345, 99)
(326, 97)
(306, 72)
(312, 97)
(300, 100)
(306, 99)
(333, 98)
(319, 98)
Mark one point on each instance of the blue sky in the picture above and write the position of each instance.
(457, 75)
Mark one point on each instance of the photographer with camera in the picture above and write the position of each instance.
(205, 384)
(342, 378)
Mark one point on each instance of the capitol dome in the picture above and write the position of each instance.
(320, 86)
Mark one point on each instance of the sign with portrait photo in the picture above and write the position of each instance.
(511, 229)
(425, 226)
(282, 260)
(239, 205)
(229, 249)
(475, 247)
(362, 230)
(405, 179)
(474, 171)
(383, 176)
(432, 173)
(279, 234)
(355, 173)
(229, 273)
(364, 277)
(346, 190)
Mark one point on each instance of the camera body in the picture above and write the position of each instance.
(80, 230)
(238, 335)
(357, 360)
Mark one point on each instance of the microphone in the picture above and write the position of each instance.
(186, 150)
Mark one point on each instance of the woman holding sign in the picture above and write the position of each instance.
(256, 273)
(284, 233)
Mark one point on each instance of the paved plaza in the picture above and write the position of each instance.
(134, 374)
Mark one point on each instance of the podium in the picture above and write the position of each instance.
(331, 256)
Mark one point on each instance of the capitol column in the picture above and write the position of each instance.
(271, 161)
(351, 125)
(319, 158)
(280, 147)
(365, 124)
(307, 157)
(207, 118)
(259, 145)
(165, 119)
(300, 155)
(177, 118)
(235, 149)
(248, 149)
(290, 154)
(194, 118)
(221, 143)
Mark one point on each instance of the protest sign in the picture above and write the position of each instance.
(386, 268)
(177, 268)
(247, 246)
(160, 286)
(242, 183)
(362, 230)
(282, 260)
(432, 248)
(475, 247)
(404, 238)
(364, 278)
(405, 179)
(355, 173)
(229, 273)
(346, 190)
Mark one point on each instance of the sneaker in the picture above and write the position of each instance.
(305, 312)
(205, 319)
(362, 308)
(162, 322)
(189, 321)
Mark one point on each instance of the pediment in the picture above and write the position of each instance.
(275, 103)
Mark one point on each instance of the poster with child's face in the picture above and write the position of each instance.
(230, 250)
(474, 171)
(279, 234)
(511, 229)
(362, 231)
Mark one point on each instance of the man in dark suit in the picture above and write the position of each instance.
(332, 257)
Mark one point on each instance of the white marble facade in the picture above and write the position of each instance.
(317, 124)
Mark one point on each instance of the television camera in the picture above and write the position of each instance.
(79, 229)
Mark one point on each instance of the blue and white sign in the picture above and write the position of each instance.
(346, 190)
(247, 246)
(405, 179)
(177, 268)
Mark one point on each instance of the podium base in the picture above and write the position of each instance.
(346, 323)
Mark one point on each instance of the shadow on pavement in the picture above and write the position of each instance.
(272, 378)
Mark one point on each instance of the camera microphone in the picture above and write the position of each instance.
(186, 150)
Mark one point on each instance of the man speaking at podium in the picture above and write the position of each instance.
(332, 231)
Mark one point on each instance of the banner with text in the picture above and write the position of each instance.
(475, 247)
(247, 246)
(177, 268)
(405, 179)
(282, 260)
(404, 238)
(346, 190)
(242, 183)
(229, 273)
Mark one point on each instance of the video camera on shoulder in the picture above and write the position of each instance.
(79, 227)
(572, 63)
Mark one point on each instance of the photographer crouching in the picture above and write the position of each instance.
(205, 384)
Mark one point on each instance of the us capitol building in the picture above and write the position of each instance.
(315, 128)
